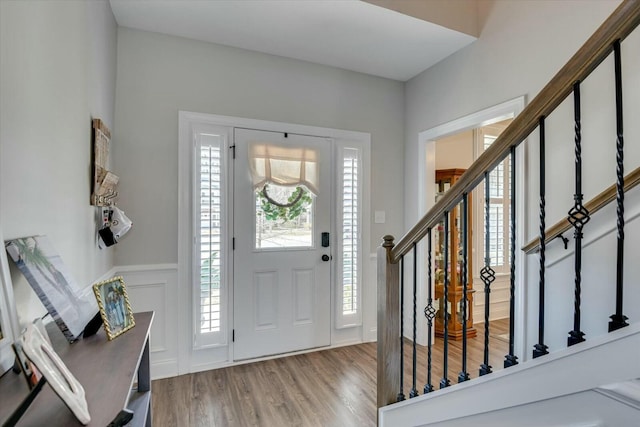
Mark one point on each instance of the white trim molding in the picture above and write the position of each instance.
(192, 359)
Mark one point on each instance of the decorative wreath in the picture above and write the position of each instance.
(274, 210)
(291, 201)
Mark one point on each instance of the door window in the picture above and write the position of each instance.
(284, 217)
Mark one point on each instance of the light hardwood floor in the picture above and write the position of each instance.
(325, 388)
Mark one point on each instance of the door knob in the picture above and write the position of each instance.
(326, 257)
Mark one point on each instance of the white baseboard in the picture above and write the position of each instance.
(164, 369)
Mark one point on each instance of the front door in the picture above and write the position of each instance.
(282, 262)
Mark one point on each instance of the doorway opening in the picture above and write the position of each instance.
(467, 137)
(453, 155)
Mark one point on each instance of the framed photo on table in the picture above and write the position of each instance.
(114, 306)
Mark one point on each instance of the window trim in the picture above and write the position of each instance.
(352, 319)
(190, 359)
(219, 338)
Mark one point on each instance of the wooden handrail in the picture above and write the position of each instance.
(617, 27)
(593, 205)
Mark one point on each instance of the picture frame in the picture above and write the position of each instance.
(70, 305)
(114, 305)
(29, 371)
(42, 355)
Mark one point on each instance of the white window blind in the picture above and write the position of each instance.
(349, 223)
(350, 232)
(499, 212)
(209, 271)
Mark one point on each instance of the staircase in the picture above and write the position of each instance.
(591, 380)
(565, 388)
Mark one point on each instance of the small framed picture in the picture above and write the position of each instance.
(29, 371)
(31, 374)
(114, 306)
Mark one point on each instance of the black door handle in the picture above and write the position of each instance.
(326, 257)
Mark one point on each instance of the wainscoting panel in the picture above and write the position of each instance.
(155, 288)
(499, 299)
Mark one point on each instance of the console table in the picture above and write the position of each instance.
(106, 370)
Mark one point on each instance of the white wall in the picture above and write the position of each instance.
(159, 75)
(521, 47)
(57, 72)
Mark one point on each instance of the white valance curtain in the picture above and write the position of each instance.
(270, 164)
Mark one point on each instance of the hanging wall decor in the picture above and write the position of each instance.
(104, 182)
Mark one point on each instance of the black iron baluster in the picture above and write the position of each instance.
(511, 359)
(414, 390)
(487, 275)
(578, 217)
(619, 320)
(464, 375)
(430, 314)
(444, 382)
(541, 349)
(401, 392)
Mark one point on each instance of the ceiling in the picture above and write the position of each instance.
(349, 34)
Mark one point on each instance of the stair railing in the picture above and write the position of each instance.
(594, 205)
(391, 256)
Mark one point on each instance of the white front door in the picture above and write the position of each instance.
(282, 264)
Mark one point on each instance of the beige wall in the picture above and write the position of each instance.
(459, 15)
(455, 151)
(57, 71)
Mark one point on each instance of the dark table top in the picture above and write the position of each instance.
(106, 370)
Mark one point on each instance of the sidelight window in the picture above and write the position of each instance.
(209, 224)
(349, 266)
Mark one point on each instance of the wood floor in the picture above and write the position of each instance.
(326, 388)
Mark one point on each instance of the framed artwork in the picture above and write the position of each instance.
(115, 307)
(70, 306)
(31, 374)
(46, 360)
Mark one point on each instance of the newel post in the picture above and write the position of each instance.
(388, 325)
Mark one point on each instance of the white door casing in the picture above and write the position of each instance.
(281, 295)
(193, 354)
(426, 196)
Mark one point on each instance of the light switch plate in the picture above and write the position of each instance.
(379, 217)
